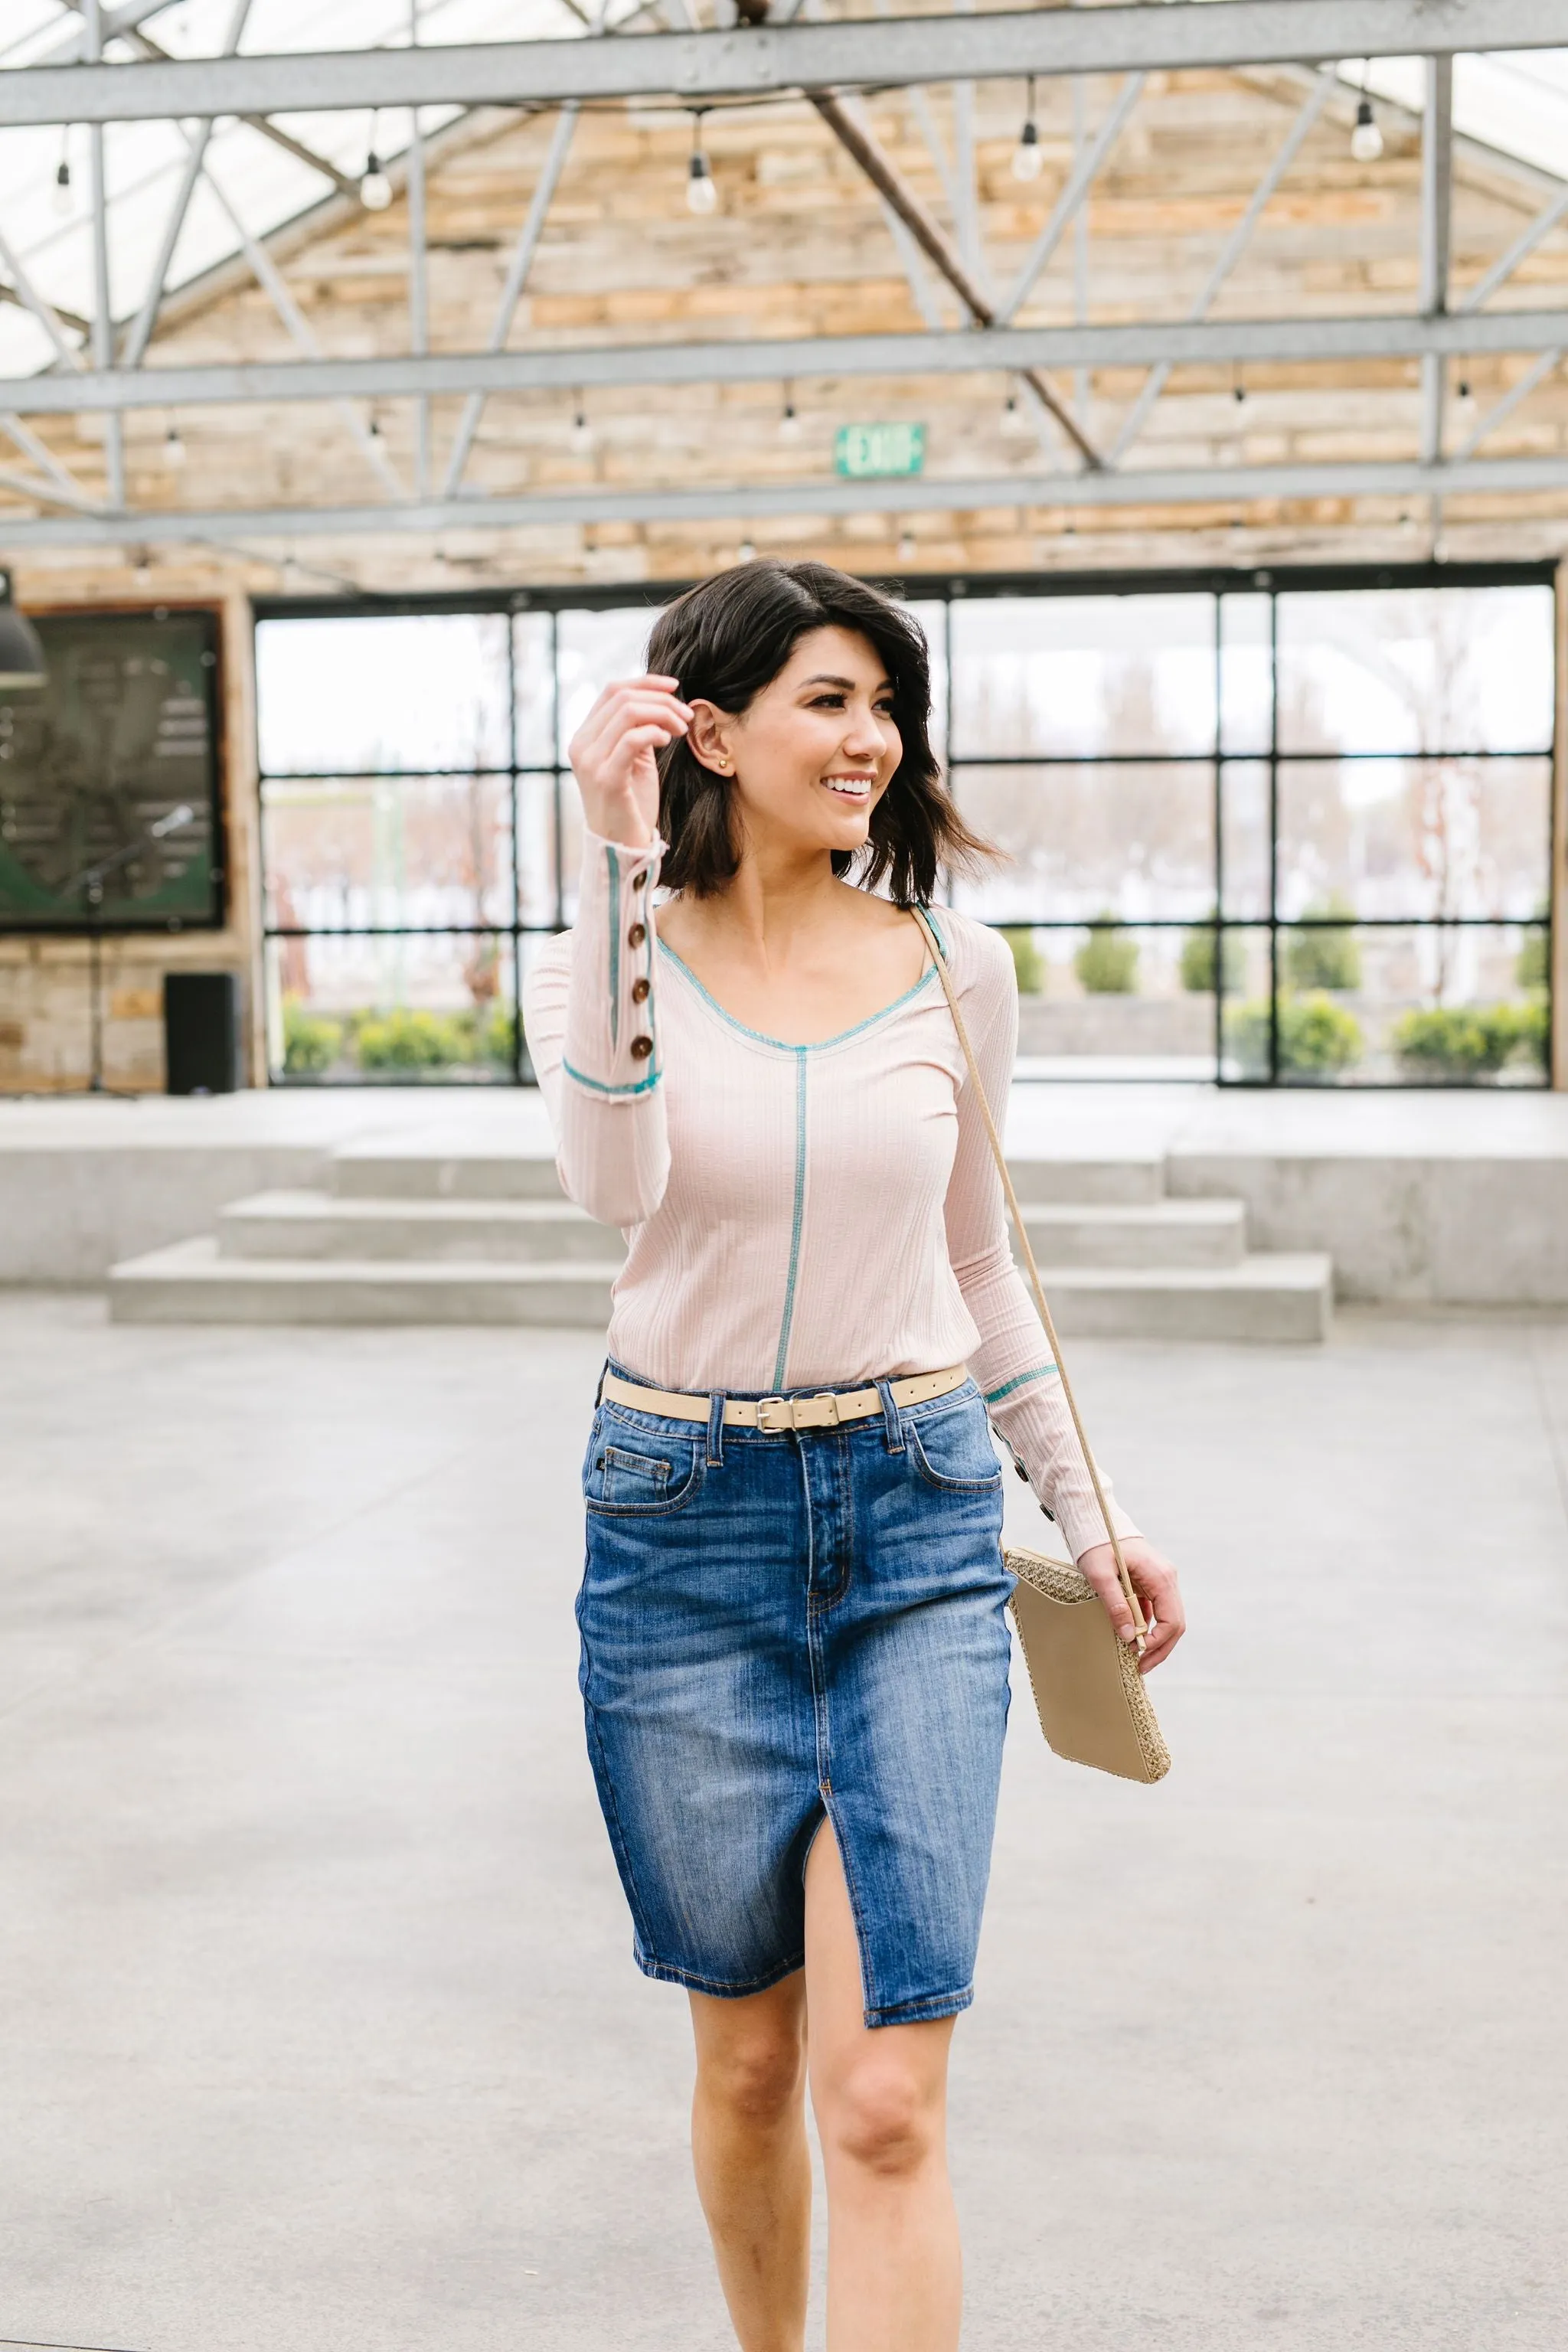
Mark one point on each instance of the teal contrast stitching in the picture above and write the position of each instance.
(782, 1044)
(597, 1086)
(994, 1396)
(800, 1052)
(615, 946)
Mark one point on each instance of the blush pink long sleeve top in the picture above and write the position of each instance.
(797, 1216)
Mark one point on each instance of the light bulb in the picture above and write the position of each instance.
(174, 448)
(747, 551)
(1013, 420)
(789, 423)
(1028, 156)
(906, 549)
(1366, 139)
(1464, 391)
(375, 188)
(64, 204)
(702, 196)
(582, 435)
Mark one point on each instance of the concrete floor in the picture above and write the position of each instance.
(323, 2034)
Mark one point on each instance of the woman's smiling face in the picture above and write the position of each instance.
(815, 751)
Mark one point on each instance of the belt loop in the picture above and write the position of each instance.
(890, 1422)
(716, 1430)
(599, 1391)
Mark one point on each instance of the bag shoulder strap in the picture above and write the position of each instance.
(939, 960)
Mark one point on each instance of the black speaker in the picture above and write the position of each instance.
(201, 1032)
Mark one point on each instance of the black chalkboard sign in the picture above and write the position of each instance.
(124, 733)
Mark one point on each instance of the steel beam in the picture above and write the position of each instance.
(861, 53)
(1437, 212)
(1230, 253)
(1221, 487)
(961, 352)
(845, 119)
(1524, 244)
(418, 276)
(1074, 192)
(521, 262)
(102, 308)
(1508, 402)
(142, 327)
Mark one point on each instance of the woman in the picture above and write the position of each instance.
(794, 1652)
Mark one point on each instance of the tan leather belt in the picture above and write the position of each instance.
(774, 1414)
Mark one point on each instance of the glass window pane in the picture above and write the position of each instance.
(1085, 675)
(353, 1010)
(533, 637)
(536, 836)
(1244, 805)
(371, 695)
(1409, 837)
(1393, 1004)
(1247, 681)
(596, 649)
(1244, 975)
(1080, 841)
(1429, 669)
(932, 618)
(1112, 1002)
(428, 850)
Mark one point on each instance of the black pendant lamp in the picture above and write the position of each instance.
(22, 662)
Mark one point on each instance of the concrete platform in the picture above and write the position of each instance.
(324, 2027)
(1417, 1197)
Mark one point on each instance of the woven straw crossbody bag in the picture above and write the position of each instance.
(1092, 1702)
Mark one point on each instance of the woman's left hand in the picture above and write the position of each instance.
(1154, 1582)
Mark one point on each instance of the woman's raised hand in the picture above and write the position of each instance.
(612, 757)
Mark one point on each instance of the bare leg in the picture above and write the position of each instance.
(894, 2270)
(754, 2172)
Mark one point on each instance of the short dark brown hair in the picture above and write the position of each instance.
(724, 642)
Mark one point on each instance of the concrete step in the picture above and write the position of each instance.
(1129, 1177)
(1152, 1233)
(388, 1169)
(334, 1227)
(1267, 1296)
(1264, 1297)
(191, 1282)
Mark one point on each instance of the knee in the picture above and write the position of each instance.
(881, 2117)
(756, 2079)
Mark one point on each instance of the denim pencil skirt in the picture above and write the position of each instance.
(780, 1628)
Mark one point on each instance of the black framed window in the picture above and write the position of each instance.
(1288, 828)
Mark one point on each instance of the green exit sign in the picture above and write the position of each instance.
(865, 452)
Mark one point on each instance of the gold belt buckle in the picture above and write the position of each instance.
(777, 1413)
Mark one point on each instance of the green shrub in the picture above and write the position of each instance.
(1198, 961)
(499, 1030)
(1317, 1036)
(407, 1039)
(1027, 961)
(310, 1044)
(1106, 963)
(1529, 971)
(1467, 1041)
(1329, 958)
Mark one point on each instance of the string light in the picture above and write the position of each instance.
(1464, 391)
(789, 423)
(62, 200)
(374, 188)
(906, 547)
(747, 551)
(1013, 420)
(581, 434)
(1237, 389)
(1366, 139)
(1029, 158)
(701, 195)
(174, 448)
